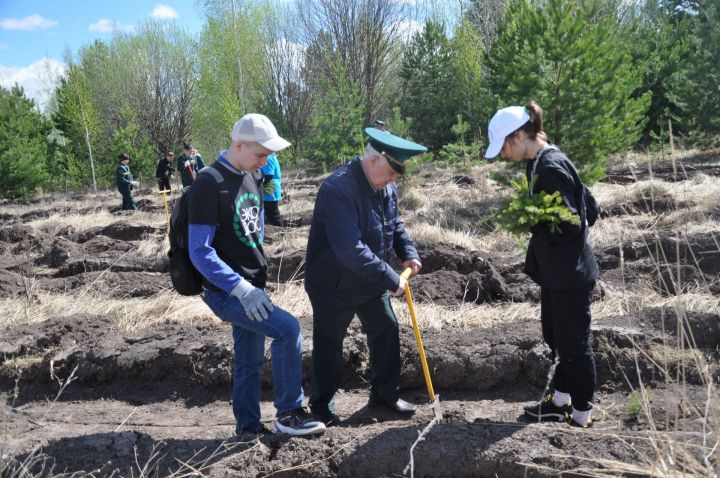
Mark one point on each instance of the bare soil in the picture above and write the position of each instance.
(80, 396)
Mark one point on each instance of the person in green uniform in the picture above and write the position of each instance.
(188, 164)
(125, 182)
(356, 230)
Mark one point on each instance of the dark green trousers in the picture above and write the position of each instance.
(128, 202)
(329, 327)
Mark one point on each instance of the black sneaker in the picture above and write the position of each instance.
(328, 418)
(298, 422)
(256, 429)
(547, 410)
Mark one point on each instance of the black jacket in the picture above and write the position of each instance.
(353, 234)
(560, 261)
(164, 169)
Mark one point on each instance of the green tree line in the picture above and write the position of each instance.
(610, 74)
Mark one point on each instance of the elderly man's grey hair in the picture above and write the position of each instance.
(370, 151)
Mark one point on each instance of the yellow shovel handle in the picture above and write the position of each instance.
(164, 193)
(416, 328)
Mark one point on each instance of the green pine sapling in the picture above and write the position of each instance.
(521, 211)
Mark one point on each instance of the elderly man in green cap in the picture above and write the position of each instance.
(355, 230)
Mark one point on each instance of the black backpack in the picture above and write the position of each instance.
(590, 206)
(186, 279)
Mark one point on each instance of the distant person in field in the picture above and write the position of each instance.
(562, 264)
(356, 229)
(225, 236)
(164, 171)
(272, 189)
(125, 182)
(188, 164)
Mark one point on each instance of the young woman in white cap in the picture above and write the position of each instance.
(562, 264)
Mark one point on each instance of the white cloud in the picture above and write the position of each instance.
(37, 79)
(407, 29)
(164, 12)
(4, 46)
(29, 23)
(105, 25)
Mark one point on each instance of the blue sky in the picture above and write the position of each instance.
(34, 34)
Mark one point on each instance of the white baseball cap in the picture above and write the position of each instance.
(254, 127)
(501, 125)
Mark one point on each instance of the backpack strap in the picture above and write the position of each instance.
(212, 171)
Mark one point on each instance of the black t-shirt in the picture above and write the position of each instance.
(235, 207)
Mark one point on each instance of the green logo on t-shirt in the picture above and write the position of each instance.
(246, 221)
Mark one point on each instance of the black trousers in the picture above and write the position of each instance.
(164, 184)
(272, 213)
(565, 317)
(329, 328)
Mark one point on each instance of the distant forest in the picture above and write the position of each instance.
(612, 75)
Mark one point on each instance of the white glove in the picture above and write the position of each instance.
(135, 184)
(401, 288)
(254, 300)
(186, 164)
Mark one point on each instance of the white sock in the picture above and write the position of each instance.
(581, 418)
(560, 398)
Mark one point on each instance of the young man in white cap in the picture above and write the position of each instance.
(225, 241)
(562, 263)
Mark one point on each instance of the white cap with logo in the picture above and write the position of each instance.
(254, 127)
(505, 121)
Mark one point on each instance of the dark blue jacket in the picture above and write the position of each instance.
(565, 260)
(353, 234)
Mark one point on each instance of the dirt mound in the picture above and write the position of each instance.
(25, 239)
(682, 172)
(298, 219)
(123, 264)
(121, 231)
(11, 284)
(479, 433)
(285, 266)
(439, 256)
(452, 287)
(117, 285)
(657, 204)
(60, 251)
(699, 251)
(202, 354)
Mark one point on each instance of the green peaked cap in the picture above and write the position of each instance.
(395, 149)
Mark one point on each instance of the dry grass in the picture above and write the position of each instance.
(438, 210)
(85, 221)
(131, 314)
(153, 246)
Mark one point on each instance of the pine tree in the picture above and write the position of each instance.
(696, 88)
(24, 148)
(662, 39)
(336, 122)
(428, 86)
(569, 56)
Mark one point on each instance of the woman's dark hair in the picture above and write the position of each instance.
(534, 125)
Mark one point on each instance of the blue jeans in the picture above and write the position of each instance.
(249, 347)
